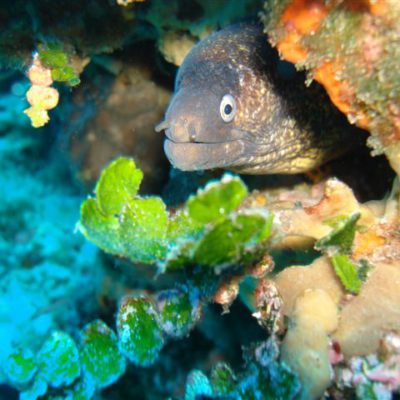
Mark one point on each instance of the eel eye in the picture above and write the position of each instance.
(227, 108)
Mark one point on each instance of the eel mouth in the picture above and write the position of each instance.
(193, 156)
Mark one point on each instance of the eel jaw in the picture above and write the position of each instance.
(193, 156)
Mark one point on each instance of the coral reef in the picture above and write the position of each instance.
(359, 243)
(194, 286)
(48, 277)
(129, 103)
(350, 48)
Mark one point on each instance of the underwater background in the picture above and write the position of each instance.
(122, 277)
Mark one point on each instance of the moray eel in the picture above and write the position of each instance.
(233, 109)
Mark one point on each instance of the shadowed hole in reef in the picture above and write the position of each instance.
(189, 10)
(8, 393)
(202, 349)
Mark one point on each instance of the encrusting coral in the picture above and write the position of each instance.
(351, 48)
(129, 103)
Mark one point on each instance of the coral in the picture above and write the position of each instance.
(306, 344)
(179, 27)
(50, 271)
(264, 377)
(49, 64)
(350, 48)
(218, 239)
(129, 103)
(90, 28)
(304, 279)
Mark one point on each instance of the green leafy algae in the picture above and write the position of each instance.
(101, 360)
(20, 367)
(217, 200)
(223, 379)
(121, 222)
(36, 391)
(347, 272)
(118, 185)
(342, 235)
(229, 239)
(57, 60)
(139, 332)
(264, 377)
(337, 245)
(52, 56)
(178, 310)
(82, 389)
(143, 228)
(58, 360)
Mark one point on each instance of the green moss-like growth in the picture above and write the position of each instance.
(213, 204)
(121, 222)
(58, 360)
(139, 332)
(342, 236)
(229, 239)
(223, 379)
(337, 245)
(20, 367)
(265, 377)
(101, 360)
(56, 59)
(347, 272)
(178, 310)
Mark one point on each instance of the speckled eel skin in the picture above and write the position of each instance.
(233, 109)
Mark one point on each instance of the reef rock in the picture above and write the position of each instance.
(122, 123)
(351, 48)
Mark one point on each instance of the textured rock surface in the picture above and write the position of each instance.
(121, 123)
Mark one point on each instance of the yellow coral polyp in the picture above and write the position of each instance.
(39, 75)
(42, 97)
(38, 116)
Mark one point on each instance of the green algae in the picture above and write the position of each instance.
(101, 361)
(178, 310)
(217, 200)
(342, 236)
(20, 367)
(54, 57)
(337, 245)
(139, 332)
(118, 185)
(223, 379)
(58, 360)
(121, 222)
(347, 272)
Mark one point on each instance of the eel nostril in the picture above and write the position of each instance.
(192, 132)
